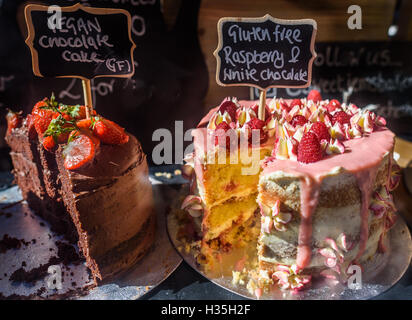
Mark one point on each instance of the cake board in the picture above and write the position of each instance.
(31, 248)
(379, 274)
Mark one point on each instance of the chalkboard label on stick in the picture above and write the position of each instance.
(84, 43)
(265, 52)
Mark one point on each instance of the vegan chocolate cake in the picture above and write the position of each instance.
(88, 178)
(321, 195)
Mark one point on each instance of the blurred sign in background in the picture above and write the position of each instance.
(175, 66)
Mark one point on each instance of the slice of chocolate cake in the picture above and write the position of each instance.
(89, 179)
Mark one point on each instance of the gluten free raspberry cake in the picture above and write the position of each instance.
(320, 201)
(89, 178)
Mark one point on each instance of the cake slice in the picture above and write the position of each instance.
(89, 179)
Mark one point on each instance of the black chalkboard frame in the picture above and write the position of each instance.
(263, 19)
(78, 6)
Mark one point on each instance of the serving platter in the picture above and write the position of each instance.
(378, 275)
(36, 248)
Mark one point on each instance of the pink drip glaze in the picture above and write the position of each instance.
(362, 158)
(365, 179)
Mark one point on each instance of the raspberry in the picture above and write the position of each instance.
(314, 95)
(284, 105)
(309, 148)
(257, 124)
(295, 102)
(298, 120)
(230, 107)
(342, 117)
(333, 105)
(321, 131)
(220, 132)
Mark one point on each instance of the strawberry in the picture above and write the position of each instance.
(13, 120)
(295, 102)
(314, 95)
(49, 143)
(109, 132)
(333, 105)
(267, 111)
(342, 117)
(298, 120)
(309, 148)
(321, 131)
(229, 107)
(42, 119)
(78, 152)
(38, 105)
(88, 132)
(257, 124)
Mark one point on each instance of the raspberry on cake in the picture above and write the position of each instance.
(323, 191)
(89, 179)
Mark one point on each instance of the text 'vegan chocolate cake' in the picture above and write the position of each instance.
(89, 179)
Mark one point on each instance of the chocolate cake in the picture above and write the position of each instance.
(103, 203)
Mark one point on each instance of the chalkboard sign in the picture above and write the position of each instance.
(265, 52)
(84, 43)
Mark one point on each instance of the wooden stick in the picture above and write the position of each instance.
(87, 92)
(262, 105)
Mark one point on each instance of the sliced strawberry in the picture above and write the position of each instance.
(342, 117)
(229, 107)
(78, 152)
(333, 105)
(298, 120)
(14, 120)
(284, 106)
(309, 148)
(84, 123)
(48, 143)
(320, 129)
(109, 132)
(314, 95)
(296, 102)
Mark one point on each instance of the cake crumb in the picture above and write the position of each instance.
(178, 172)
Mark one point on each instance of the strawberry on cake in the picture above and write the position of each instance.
(322, 194)
(88, 178)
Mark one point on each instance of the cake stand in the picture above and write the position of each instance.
(379, 274)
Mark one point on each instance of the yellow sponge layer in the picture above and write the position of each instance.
(224, 181)
(220, 218)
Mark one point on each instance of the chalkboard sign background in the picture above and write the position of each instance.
(98, 39)
(263, 37)
(170, 80)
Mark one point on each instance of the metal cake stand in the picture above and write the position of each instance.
(379, 274)
(39, 246)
